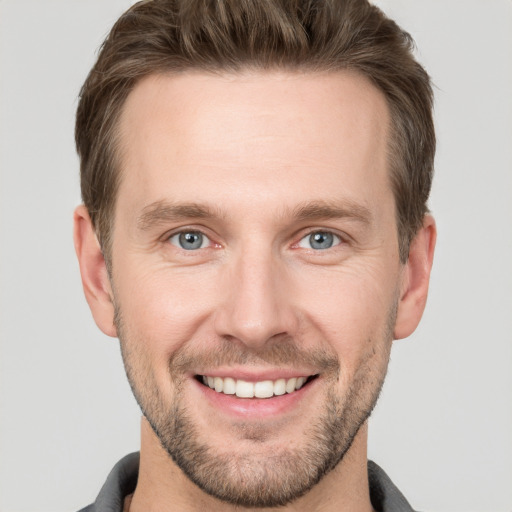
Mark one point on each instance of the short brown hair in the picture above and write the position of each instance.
(161, 36)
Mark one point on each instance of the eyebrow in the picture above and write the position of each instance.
(317, 210)
(161, 212)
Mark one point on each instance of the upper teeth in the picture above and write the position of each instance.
(261, 389)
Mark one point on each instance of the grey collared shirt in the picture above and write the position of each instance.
(121, 482)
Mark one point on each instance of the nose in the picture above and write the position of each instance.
(257, 301)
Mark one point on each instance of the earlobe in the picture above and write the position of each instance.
(93, 269)
(416, 277)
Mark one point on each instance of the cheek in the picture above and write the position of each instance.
(162, 310)
(351, 309)
(165, 309)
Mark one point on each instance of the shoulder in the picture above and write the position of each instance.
(384, 494)
(120, 483)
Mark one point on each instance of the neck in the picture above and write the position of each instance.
(162, 486)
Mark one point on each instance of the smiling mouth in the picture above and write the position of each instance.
(260, 389)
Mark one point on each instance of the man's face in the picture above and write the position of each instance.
(255, 250)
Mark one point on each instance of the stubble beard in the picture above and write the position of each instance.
(251, 479)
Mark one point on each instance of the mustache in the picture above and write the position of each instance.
(283, 352)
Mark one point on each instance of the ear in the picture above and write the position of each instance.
(415, 279)
(93, 269)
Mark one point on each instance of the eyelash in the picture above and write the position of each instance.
(337, 239)
(189, 232)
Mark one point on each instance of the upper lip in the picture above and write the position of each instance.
(252, 375)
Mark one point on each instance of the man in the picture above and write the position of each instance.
(255, 232)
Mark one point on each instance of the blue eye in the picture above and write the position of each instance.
(320, 240)
(189, 240)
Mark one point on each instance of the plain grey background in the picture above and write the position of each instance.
(443, 427)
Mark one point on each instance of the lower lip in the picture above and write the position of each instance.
(256, 408)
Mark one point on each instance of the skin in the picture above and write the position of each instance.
(254, 148)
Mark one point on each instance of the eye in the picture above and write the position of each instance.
(189, 240)
(319, 240)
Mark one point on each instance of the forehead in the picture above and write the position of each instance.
(283, 136)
